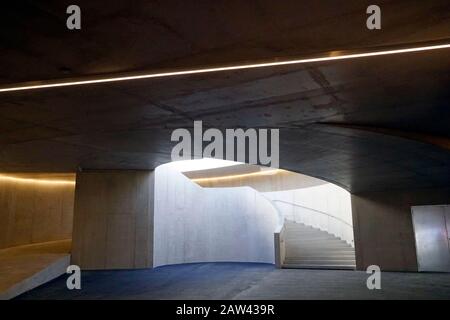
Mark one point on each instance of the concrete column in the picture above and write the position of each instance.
(382, 222)
(113, 219)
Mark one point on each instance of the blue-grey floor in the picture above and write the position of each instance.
(243, 281)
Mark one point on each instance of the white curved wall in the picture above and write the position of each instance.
(195, 224)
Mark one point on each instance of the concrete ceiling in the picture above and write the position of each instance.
(365, 124)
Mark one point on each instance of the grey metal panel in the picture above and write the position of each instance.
(432, 245)
(447, 222)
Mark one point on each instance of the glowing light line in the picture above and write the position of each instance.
(34, 181)
(219, 69)
(236, 176)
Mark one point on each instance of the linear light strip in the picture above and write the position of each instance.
(35, 181)
(229, 68)
(235, 176)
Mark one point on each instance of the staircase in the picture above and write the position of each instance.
(308, 247)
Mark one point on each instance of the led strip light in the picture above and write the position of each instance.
(34, 181)
(49, 84)
(236, 176)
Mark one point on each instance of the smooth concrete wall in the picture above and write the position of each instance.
(383, 227)
(195, 224)
(34, 212)
(113, 219)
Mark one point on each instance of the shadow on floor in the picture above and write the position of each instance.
(243, 281)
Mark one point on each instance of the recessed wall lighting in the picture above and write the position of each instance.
(9, 178)
(239, 176)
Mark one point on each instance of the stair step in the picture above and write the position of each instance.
(312, 242)
(312, 237)
(296, 252)
(319, 257)
(335, 250)
(312, 246)
(300, 227)
(309, 240)
(320, 261)
(328, 266)
(319, 254)
(314, 255)
(305, 231)
(318, 251)
(318, 238)
(315, 244)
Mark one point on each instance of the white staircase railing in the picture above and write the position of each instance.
(318, 219)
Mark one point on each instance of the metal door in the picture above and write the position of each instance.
(431, 228)
(447, 222)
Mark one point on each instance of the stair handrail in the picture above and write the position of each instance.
(275, 208)
(340, 234)
(318, 211)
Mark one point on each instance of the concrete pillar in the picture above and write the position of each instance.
(113, 219)
(382, 222)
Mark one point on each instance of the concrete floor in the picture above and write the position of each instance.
(243, 281)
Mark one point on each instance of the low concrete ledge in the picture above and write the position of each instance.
(26, 267)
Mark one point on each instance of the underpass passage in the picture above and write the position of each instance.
(365, 110)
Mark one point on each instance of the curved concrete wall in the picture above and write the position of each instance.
(34, 212)
(195, 224)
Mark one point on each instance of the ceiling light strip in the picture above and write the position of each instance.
(227, 68)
